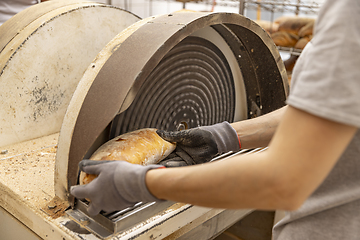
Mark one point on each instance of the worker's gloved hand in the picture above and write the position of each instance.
(200, 145)
(119, 185)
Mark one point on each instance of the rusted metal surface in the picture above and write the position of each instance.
(55, 208)
(112, 84)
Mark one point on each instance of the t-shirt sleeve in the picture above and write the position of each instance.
(326, 78)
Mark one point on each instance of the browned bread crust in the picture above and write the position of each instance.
(302, 42)
(284, 39)
(142, 147)
(294, 24)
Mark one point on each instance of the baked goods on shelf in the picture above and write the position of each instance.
(294, 24)
(301, 43)
(290, 31)
(285, 39)
(307, 30)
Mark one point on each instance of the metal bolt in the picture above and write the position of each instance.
(52, 206)
(84, 221)
(180, 127)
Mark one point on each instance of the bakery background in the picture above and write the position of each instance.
(289, 22)
(35, 49)
(277, 8)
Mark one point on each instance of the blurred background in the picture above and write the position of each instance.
(288, 22)
(254, 9)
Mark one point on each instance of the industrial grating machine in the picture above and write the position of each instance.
(76, 74)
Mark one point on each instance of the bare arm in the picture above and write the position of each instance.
(257, 132)
(297, 161)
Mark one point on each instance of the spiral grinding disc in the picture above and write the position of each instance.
(191, 86)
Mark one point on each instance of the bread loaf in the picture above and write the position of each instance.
(307, 30)
(302, 42)
(294, 24)
(142, 147)
(284, 39)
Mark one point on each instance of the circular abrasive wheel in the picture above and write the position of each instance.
(191, 86)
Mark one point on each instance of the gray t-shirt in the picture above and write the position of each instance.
(326, 83)
(9, 8)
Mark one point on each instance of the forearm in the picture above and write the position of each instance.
(257, 132)
(282, 177)
(244, 182)
(177, 184)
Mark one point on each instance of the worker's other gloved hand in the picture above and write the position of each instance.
(200, 145)
(119, 185)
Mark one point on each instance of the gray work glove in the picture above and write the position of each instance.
(200, 145)
(119, 185)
